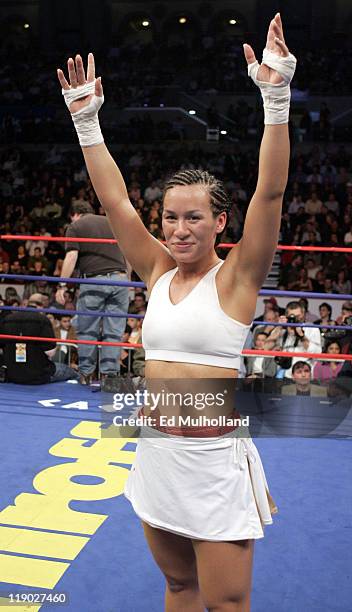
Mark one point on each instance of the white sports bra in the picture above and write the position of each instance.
(196, 330)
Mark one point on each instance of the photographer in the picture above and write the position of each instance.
(293, 339)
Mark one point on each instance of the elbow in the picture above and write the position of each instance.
(275, 195)
(269, 193)
(272, 188)
(279, 195)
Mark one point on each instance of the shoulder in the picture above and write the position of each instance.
(288, 389)
(318, 391)
(100, 222)
(71, 229)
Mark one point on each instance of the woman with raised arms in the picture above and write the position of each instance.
(201, 494)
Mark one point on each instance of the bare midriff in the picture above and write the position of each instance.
(189, 377)
(175, 369)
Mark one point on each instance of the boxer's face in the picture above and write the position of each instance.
(188, 222)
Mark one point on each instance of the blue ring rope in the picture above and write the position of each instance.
(69, 313)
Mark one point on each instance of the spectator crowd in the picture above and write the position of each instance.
(38, 188)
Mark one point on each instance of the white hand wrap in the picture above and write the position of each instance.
(276, 98)
(86, 120)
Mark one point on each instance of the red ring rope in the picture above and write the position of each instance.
(222, 245)
(61, 341)
(321, 356)
(56, 238)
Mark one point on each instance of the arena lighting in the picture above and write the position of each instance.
(145, 23)
(192, 112)
(224, 132)
(182, 20)
(232, 22)
(26, 26)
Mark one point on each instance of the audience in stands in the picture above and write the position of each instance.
(308, 317)
(36, 194)
(257, 366)
(326, 370)
(293, 339)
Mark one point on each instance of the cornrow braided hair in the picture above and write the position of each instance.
(219, 199)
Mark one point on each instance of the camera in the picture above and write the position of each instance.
(293, 319)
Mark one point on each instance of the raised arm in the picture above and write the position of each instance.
(84, 97)
(252, 258)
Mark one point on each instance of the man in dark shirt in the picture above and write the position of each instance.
(26, 362)
(103, 261)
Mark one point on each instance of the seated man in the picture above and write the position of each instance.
(65, 353)
(260, 367)
(26, 362)
(302, 376)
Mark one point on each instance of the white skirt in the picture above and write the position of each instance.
(202, 488)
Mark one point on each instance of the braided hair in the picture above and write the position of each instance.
(219, 199)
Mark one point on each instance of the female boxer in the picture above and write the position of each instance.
(202, 496)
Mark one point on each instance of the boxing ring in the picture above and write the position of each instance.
(69, 537)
